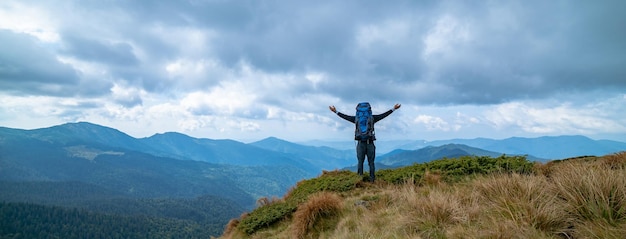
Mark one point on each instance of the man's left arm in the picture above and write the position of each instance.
(383, 115)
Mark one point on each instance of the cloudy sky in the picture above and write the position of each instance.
(247, 70)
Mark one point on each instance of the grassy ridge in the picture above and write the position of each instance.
(278, 209)
(469, 197)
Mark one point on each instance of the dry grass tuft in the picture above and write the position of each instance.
(264, 201)
(615, 161)
(542, 169)
(525, 200)
(231, 227)
(599, 229)
(592, 192)
(426, 211)
(318, 205)
(230, 230)
(431, 179)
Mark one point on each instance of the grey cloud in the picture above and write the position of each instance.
(323, 37)
(129, 101)
(539, 52)
(255, 112)
(514, 49)
(211, 14)
(77, 110)
(117, 54)
(28, 68)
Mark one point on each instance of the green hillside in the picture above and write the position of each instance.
(467, 197)
(23, 220)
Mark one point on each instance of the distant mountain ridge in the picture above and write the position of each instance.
(546, 147)
(166, 165)
(227, 152)
(429, 153)
(543, 148)
(323, 157)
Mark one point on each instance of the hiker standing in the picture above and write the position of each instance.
(364, 133)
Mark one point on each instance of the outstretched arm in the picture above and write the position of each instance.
(342, 115)
(383, 115)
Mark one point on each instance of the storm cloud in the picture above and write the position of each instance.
(209, 67)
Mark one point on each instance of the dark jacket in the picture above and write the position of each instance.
(352, 118)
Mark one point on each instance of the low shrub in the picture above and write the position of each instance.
(455, 169)
(401, 175)
(266, 215)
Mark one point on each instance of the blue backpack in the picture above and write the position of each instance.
(364, 121)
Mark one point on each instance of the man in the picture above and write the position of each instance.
(365, 144)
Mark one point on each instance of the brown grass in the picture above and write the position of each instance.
(528, 201)
(230, 230)
(592, 191)
(431, 178)
(264, 201)
(318, 205)
(231, 226)
(615, 161)
(575, 198)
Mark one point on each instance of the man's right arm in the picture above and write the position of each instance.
(346, 117)
(342, 115)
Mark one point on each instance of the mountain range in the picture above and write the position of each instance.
(164, 165)
(153, 166)
(402, 157)
(546, 147)
(88, 165)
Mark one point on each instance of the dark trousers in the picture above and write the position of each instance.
(368, 148)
